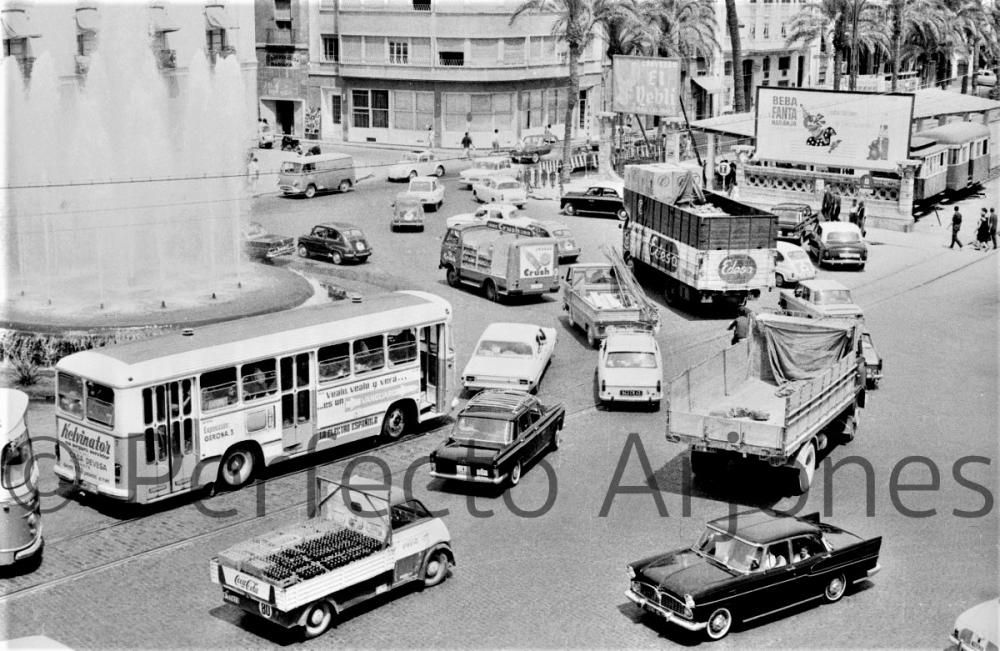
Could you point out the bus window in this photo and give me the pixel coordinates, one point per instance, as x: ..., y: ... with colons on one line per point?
x: 334, y: 362
x: 368, y: 354
x: 402, y: 346
x: 188, y: 436
x: 100, y: 404
x: 218, y: 388
x: 259, y: 379
x: 71, y: 394
x: 147, y: 406
x: 15, y: 463
x: 150, y: 445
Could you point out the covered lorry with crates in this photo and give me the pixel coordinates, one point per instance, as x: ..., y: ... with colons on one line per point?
x: 500, y: 259
x: 788, y: 391
x: 362, y: 541
x: 704, y: 246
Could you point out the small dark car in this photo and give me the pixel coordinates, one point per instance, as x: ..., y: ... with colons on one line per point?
x: 837, y: 243
x: 597, y: 199
x: 495, y: 436
x: 873, y: 361
x: 264, y: 246
x: 795, y: 220
x: 532, y: 148
x: 747, y: 565
x: 338, y: 241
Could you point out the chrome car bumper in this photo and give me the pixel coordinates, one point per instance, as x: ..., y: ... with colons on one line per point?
x: 668, y: 615
x: 473, y: 478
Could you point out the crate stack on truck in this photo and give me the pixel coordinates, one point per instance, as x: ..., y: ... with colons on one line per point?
x: 788, y: 391
x: 704, y: 246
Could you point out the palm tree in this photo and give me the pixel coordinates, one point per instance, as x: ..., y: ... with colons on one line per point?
x: 969, y: 25
x: 925, y: 33
x: 733, y: 26
x: 822, y: 20
x: 575, y: 24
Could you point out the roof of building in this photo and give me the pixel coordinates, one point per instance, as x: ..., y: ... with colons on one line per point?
x: 956, y: 132
x: 762, y: 527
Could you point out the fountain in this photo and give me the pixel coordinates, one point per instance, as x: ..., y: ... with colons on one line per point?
x: 125, y: 194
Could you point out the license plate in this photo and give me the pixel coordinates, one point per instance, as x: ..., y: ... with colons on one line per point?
x: 631, y: 392
x: 231, y: 598
x: 461, y: 470
x: 536, y: 285
x: 849, y: 255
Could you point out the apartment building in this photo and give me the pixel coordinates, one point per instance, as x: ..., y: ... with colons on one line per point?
x: 397, y: 71
x: 282, y: 35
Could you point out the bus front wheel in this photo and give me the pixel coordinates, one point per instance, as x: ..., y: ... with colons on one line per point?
x: 237, y: 467
x: 395, y: 422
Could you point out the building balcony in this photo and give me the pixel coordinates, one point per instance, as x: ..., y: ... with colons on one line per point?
x: 82, y: 64
x: 286, y: 37
x: 166, y: 58
x: 449, y: 70
x: 221, y: 53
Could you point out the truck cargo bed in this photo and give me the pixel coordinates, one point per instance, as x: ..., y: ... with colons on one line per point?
x: 754, y: 395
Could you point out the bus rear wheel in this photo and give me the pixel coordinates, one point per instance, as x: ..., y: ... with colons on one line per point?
x: 395, y: 423
x: 237, y: 467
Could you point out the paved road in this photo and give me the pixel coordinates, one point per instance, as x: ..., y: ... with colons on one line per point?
x: 557, y: 580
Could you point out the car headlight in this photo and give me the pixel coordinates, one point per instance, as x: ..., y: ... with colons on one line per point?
x: 688, y: 601
x: 631, y: 571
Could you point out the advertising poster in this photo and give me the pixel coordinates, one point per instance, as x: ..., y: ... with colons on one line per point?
x: 86, y: 452
x: 362, y: 403
x: 646, y: 85
x: 866, y: 131
x: 536, y: 261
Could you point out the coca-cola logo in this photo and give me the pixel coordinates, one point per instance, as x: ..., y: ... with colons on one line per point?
x: 246, y: 583
x: 737, y: 269
x: 663, y: 253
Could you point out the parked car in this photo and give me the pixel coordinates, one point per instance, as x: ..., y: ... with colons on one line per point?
x: 791, y: 264
x: 976, y: 628
x: 873, y: 361
x: 986, y: 77
x: 407, y: 212
x: 602, y: 199
x: 428, y: 189
x: 629, y: 368
x: 837, y: 243
x: 416, y: 163
x: 820, y: 298
x: 495, y: 436
x: 483, y: 168
x: 501, y: 188
x: 795, y: 220
x: 338, y: 241
x: 491, y: 211
x: 510, y: 356
x: 749, y: 564
x: 531, y: 148
x: 261, y: 245
x: 265, y: 135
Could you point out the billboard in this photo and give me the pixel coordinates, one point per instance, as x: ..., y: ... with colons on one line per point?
x: 869, y: 131
x: 646, y: 85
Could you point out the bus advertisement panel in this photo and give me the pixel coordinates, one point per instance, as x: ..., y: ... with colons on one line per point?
x: 868, y: 131
x: 357, y: 407
x: 85, y: 453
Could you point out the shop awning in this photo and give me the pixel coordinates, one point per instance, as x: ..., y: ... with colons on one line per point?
x: 711, y: 83
x: 16, y: 24
x: 87, y: 19
x: 218, y: 18
x: 159, y: 20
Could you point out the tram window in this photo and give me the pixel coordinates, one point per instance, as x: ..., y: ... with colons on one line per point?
x: 402, y: 346
x: 334, y: 362
x: 15, y: 463
x: 100, y: 404
x: 287, y: 379
x: 218, y: 388
x: 369, y: 354
x: 303, y: 406
x: 71, y: 394
x: 259, y: 379
x: 150, y: 445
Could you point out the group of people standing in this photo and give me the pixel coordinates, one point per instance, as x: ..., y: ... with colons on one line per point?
x: 830, y: 210
x: 986, y: 229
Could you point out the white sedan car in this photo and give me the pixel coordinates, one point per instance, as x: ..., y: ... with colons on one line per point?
x: 501, y: 188
x: 416, y: 163
x: 428, y: 190
x: 493, y: 211
x: 629, y: 369
x: 483, y: 168
x: 510, y: 356
x: 792, y: 264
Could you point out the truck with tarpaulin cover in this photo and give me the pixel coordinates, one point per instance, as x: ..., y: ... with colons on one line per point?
x: 362, y: 541
x: 780, y: 396
x: 704, y: 246
x: 500, y: 259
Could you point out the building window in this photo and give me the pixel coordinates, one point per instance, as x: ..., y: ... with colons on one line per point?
x: 753, y: 31
x: 784, y: 30
x: 727, y: 68
x: 86, y: 43
x: 370, y: 108
x: 481, y: 109
x: 215, y: 39
x: 767, y: 30
x: 421, y: 5
x: 336, y: 109
x: 399, y: 52
x: 556, y: 100
x: 531, y: 109
x: 362, y: 109
x: 582, y: 104
x: 484, y: 51
x: 784, y: 63
x: 503, y: 111
x: 513, y: 51
x: 412, y: 110
x: 451, y: 51
x: 456, y: 111
x: 331, y: 49
x: 352, y: 48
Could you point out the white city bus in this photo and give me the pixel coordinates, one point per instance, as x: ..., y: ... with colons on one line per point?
x: 143, y: 421
x: 20, y: 515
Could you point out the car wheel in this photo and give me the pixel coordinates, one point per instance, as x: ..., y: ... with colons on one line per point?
x: 490, y: 290
x: 318, y: 619
x: 835, y: 589
x: 310, y: 191
x: 344, y: 186
x: 861, y: 267
x: 439, y: 172
x: 515, y: 474
x: 622, y: 214
x: 851, y: 426
x: 719, y: 623
x: 395, y: 422
x: 591, y: 339
x: 451, y: 275
x: 303, y: 251
x: 237, y: 467
x: 779, y: 280
x: 412, y: 175
x: 535, y: 157
x: 783, y: 304
x: 654, y: 405
x: 438, y: 206
x: 805, y: 462
x: 569, y: 209
x: 436, y: 570
x: 336, y: 258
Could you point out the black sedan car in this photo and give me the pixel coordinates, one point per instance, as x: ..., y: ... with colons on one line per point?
x: 748, y: 565
x: 837, y: 243
x: 795, y: 221
x: 603, y: 199
x: 496, y: 436
x: 531, y: 148
x: 336, y: 241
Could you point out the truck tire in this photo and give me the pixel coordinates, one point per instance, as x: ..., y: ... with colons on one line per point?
x: 436, y: 568
x: 451, y: 275
x: 490, y: 291
x: 704, y: 463
x: 805, y: 467
x: 851, y: 425
x: 318, y: 619
x: 591, y: 339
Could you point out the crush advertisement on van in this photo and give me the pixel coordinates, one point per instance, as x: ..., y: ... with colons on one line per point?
x: 537, y: 261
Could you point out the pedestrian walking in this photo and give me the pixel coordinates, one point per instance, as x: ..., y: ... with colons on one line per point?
x: 827, y: 203
x: 993, y: 227
x: 740, y: 327
x: 253, y: 174
x: 430, y: 136
x: 496, y: 140
x: 547, y: 136
x: 852, y: 214
x: 861, y: 218
x: 983, y: 231
x: 835, y: 208
x: 956, y: 225
x: 467, y: 144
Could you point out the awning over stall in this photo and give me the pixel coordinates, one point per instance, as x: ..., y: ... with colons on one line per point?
x: 87, y: 19
x: 17, y: 25
x: 711, y: 83
x: 218, y: 18
x: 159, y: 20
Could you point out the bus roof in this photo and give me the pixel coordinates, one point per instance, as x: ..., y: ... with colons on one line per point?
x: 221, y: 344
x: 13, y: 407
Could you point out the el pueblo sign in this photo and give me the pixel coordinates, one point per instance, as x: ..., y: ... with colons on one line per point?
x: 646, y: 85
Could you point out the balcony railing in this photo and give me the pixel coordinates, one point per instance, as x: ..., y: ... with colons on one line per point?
x: 282, y: 36
x: 279, y: 59
x: 453, y: 60
x: 221, y: 53
x: 82, y: 64
x: 166, y: 58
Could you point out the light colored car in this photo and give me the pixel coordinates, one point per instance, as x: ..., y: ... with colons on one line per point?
x: 986, y: 77
x: 492, y: 211
x: 792, y: 264
x: 629, y: 368
x: 510, y: 356
x: 820, y: 298
x: 428, y: 189
x: 501, y: 189
x: 483, y: 168
x: 416, y: 163
x: 565, y: 242
x: 976, y: 628
x: 407, y: 212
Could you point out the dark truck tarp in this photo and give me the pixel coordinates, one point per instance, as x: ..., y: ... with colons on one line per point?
x: 800, y: 348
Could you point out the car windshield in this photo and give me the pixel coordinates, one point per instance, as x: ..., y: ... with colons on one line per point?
x: 561, y: 232
x: 354, y: 233
x: 843, y: 236
x: 291, y: 167
x: 797, y: 254
x: 509, y: 185
x: 488, y: 348
x: 412, y: 156
x: 728, y: 550
x: 627, y: 359
x: 421, y: 186
x: 488, y: 430
x: 833, y: 297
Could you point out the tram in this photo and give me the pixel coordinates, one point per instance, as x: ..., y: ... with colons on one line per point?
x: 954, y: 157
x: 20, y: 517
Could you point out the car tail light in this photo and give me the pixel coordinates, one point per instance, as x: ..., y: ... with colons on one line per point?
x: 470, y: 378
x: 604, y: 385
x: 118, y: 474
x: 522, y: 381
x: 57, y: 450
x: 658, y: 387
